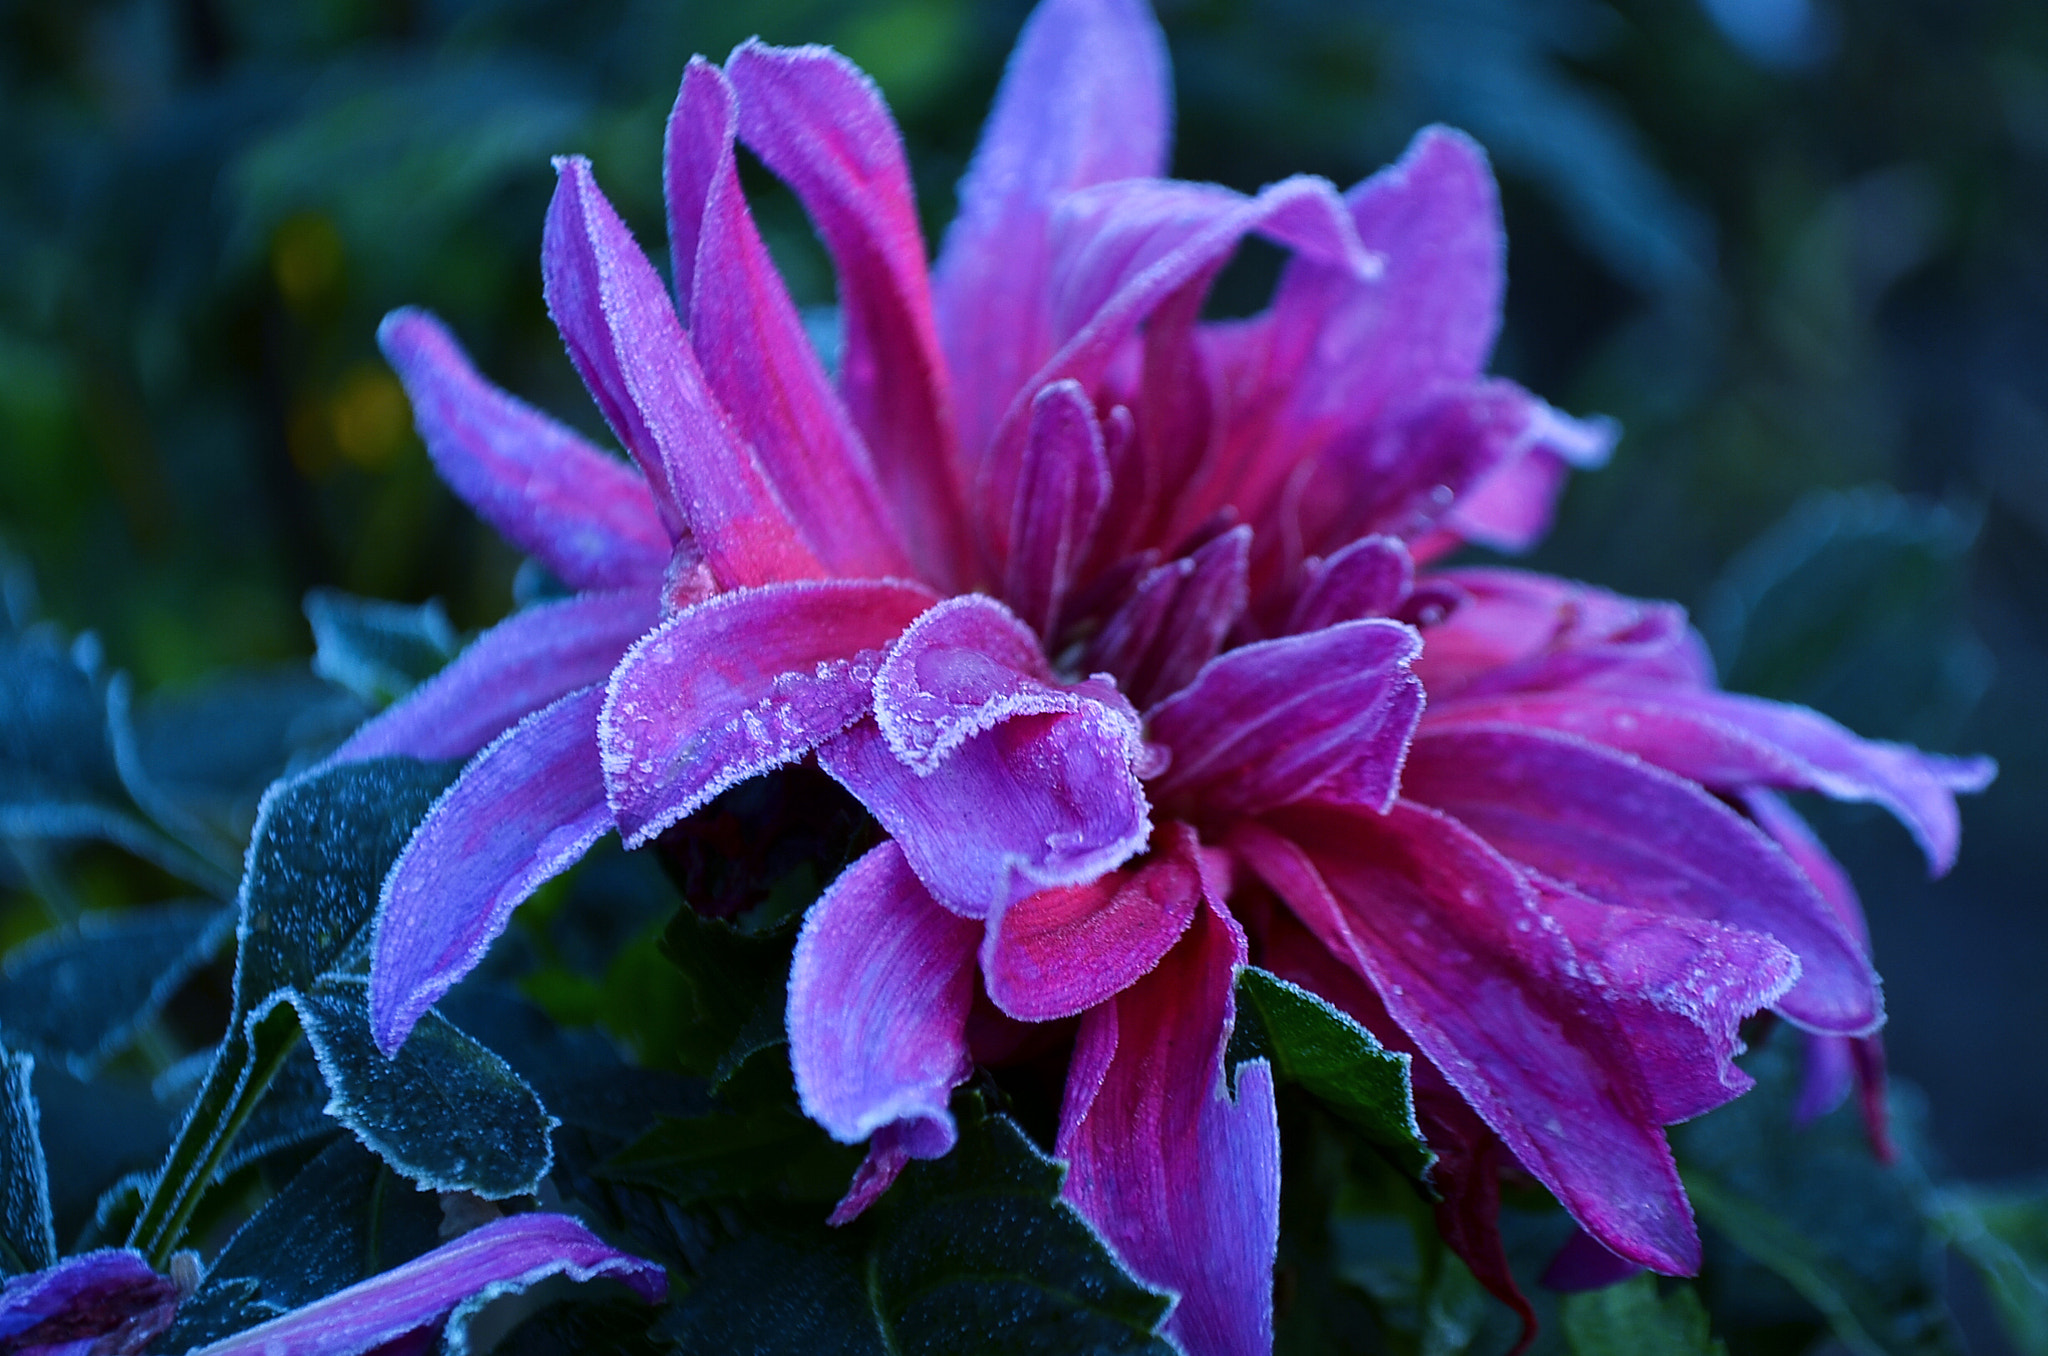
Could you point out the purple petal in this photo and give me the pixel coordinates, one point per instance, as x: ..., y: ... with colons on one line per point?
x: 1728, y: 741
x: 1582, y: 1264
x: 1085, y: 99
x: 507, y: 673
x: 1038, y: 801
x: 1176, y: 620
x: 756, y: 357
x: 625, y: 339
x: 963, y: 668
x: 1061, y: 951
x: 503, y: 1257
x: 1369, y: 578
x: 108, y: 1302
x: 821, y: 125
x: 1626, y: 833
x: 547, y: 491
x: 739, y: 684
x: 1511, y: 509
x: 522, y: 811
x: 878, y: 1000
x: 1182, y: 1179
x: 889, y: 1153
x: 1325, y: 714
x: 1061, y: 489
x: 1467, y: 963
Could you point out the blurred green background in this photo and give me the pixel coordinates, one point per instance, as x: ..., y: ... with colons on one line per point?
x: 1798, y: 248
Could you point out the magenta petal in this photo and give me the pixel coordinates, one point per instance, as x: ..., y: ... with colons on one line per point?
x: 503, y: 1257
x: 1629, y: 834
x: 1454, y: 942
x: 1182, y: 1179
x: 1085, y: 99
x: 1037, y: 801
x: 1511, y: 509
x: 822, y: 126
x: 105, y: 1302
x: 547, y: 491
x: 515, y: 668
x: 1582, y: 1264
x: 1061, y: 489
x: 1369, y: 578
x: 520, y: 813
x: 1061, y: 951
x: 625, y: 339
x: 878, y: 998
x: 756, y: 357
x: 1176, y: 619
x: 1325, y: 714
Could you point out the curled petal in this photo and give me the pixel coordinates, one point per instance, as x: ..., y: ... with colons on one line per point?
x: 518, y: 666
x: 1179, y: 1176
x: 878, y: 998
x: 1061, y: 951
x: 1511, y: 509
x: 581, y: 513
x: 1061, y: 491
x: 1035, y: 802
x: 739, y: 684
x: 1369, y: 578
x: 522, y: 811
x: 503, y: 1257
x: 1327, y: 714
x: 1176, y: 619
x: 625, y: 339
x: 1625, y: 833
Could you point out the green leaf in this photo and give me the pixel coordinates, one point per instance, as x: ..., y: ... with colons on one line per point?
x: 734, y: 989
x: 1312, y: 1044
x: 1633, y: 1319
x: 28, y: 1235
x: 1814, y: 1207
x: 771, y: 1150
x: 79, y: 993
x: 379, y: 651
x: 971, y: 1252
x: 444, y: 1112
x: 2004, y: 1234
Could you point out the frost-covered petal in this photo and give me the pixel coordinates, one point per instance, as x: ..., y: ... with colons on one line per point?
x: 1456, y: 946
x: 1061, y: 490
x: 739, y: 684
x: 581, y: 513
x: 1629, y: 834
x: 1511, y: 508
x: 622, y: 333
x: 755, y: 355
x: 104, y: 1303
x: 823, y: 128
x: 1086, y: 99
x: 521, y: 812
x: 1176, y: 619
x: 1368, y: 578
x: 503, y: 1257
x: 1061, y: 951
x: 878, y: 999
x: 1037, y: 801
x: 1325, y: 714
x: 518, y: 666
x: 1179, y: 1176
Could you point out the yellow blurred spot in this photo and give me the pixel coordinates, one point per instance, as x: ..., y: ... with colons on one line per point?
x: 305, y: 259
x: 371, y: 419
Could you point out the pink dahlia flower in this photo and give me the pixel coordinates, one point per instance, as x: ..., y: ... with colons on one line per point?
x: 1110, y: 617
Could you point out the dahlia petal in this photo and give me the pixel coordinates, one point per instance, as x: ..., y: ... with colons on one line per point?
x: 823, y: 128
x: 522, y: 811
x: 1582, y: 1264
x: 739, y: 684
x: 515, y: 668
x: 1729, y: 741
x: 1061, y: 489
x: 1453, y: 941
x: 756, y: 357
x: 104, y: 1301
x: 1626, y: 833
x: 581, y: 513
x: 1511, y: 509
x: 1369, y: 578
x: 1085, y: 99
x: 1176, y: 619
x: 504, y: 1256
x: 1325, y: 714
x: 1062, y: 951
x: 961, y: 669
x: 1182, y: 1179
x: 1037, y: 801
x: 878, y: 999
x: 624, y: 337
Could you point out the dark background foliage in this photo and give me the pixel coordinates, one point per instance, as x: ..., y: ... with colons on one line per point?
x: 1799, y: 248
